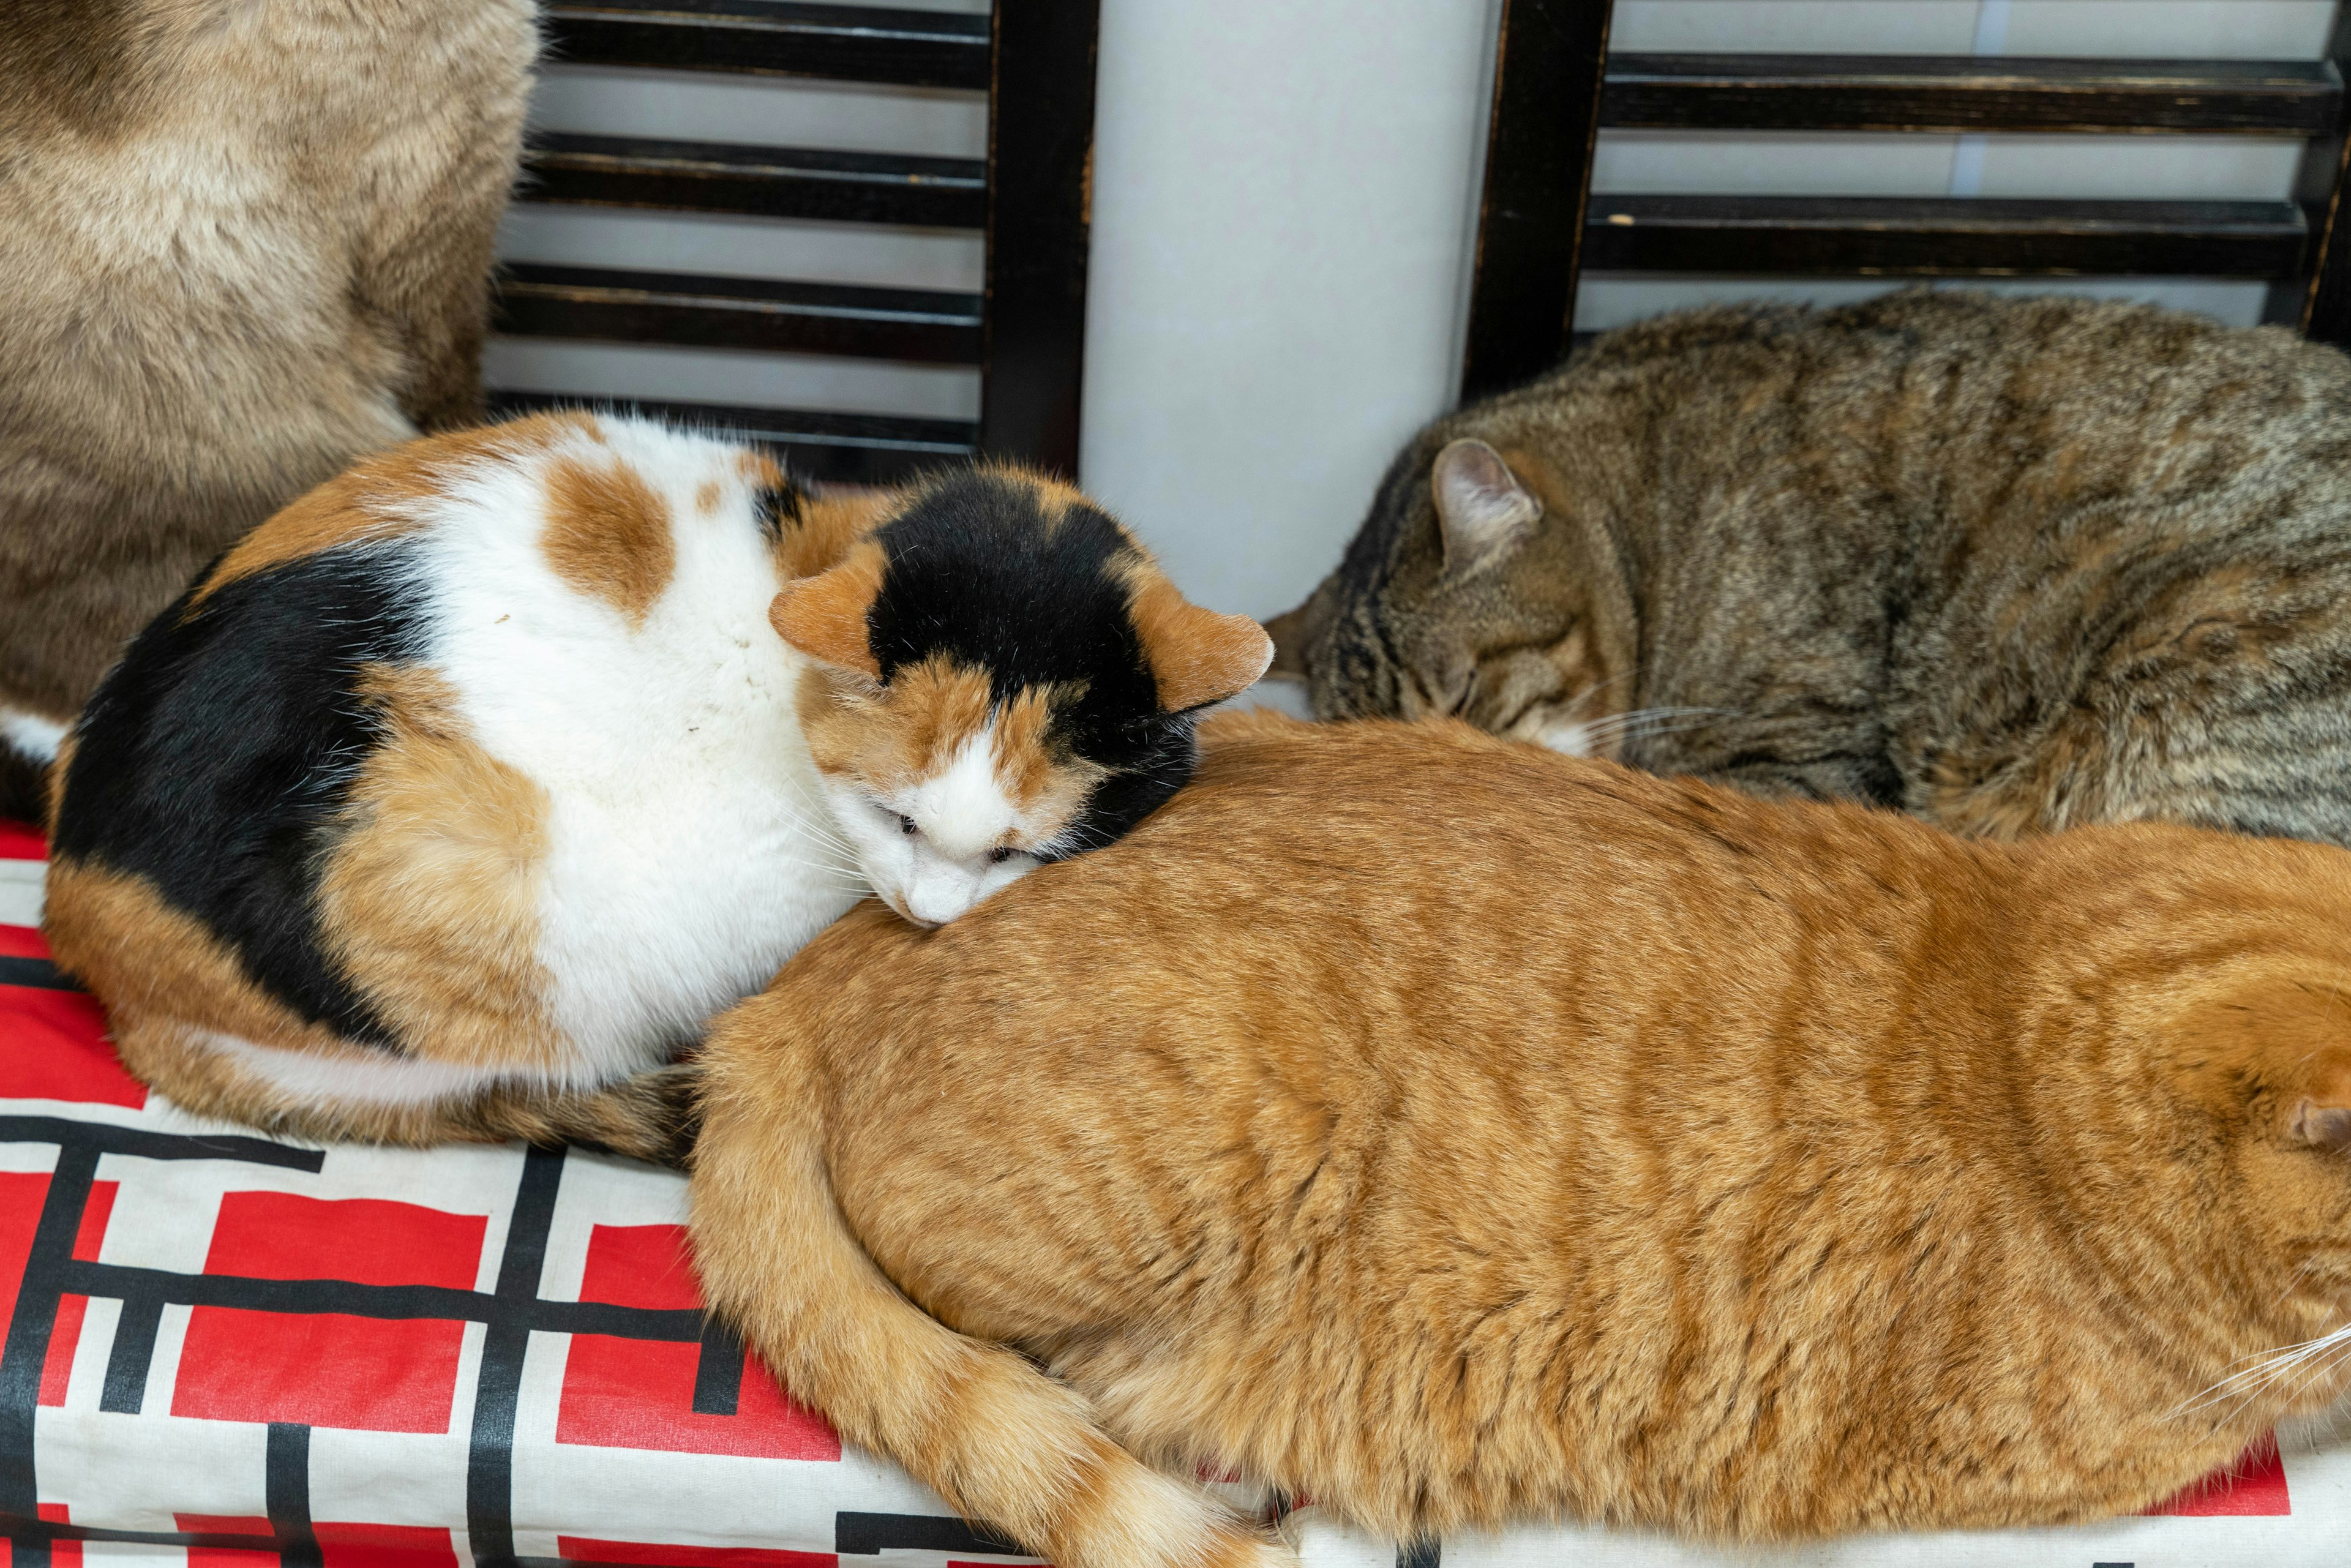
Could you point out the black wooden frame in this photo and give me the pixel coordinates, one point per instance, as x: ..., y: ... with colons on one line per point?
x: 1025, y: 332
x: 1556, y: 86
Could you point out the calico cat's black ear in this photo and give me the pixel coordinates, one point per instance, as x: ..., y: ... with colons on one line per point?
x: 1482, y: 510
x: 824, y: 616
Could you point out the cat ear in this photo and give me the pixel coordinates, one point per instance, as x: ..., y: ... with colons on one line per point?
x: 1197, y: 656
x: 1291, y: 630
x: 824, y: 616
x: 2321, y: 1117
x: 1482, y: 510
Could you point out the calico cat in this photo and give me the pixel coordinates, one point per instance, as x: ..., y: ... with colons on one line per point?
x: 454, y: 800
x: 1459, y: 1132
x: 247, y: 242
x: 2011, y: 565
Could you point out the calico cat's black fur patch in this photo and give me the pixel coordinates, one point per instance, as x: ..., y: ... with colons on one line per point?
x: 216, y: 758
x: 973, y: 544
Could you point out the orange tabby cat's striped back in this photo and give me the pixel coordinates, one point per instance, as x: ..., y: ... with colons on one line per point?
x: 1461, y: 1134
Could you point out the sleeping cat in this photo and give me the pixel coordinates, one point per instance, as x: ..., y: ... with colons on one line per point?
x: 246, y: 242
x: 1459, y: 1132
x: 454, y: 800
x: 2009, y: 564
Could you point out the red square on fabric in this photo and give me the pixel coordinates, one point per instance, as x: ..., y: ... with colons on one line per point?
x: 224, y: 1556
x: 21, y: 842
x: 329, y: 1369
x: 62, y: 1553
x: 585, y: 1549
x: 639, y: 1393
x: 21, y: 1195
x: 53, y: 1044
x: 384, y: 1546
x: 2252, y: 1487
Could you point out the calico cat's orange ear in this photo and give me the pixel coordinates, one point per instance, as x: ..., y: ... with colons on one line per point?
x: 824, y: 616
x: 2321, y: 1117
x: 1482, y: 510
x: 1197, y: 656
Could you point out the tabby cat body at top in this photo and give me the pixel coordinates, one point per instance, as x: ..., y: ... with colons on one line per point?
x: 1462, y: 1133
x: 246, y: 243
x: 2011, y: 565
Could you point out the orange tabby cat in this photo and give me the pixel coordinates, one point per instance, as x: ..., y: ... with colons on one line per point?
x: 1463, y: 1133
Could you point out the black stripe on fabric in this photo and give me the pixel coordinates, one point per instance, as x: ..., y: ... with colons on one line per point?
x: 1421, y: 1554
x: 21, y: 1532
x: 34, y: 973
x: 863, y: 1534
x: 107, y: 1139
x: 287, y: 1488
x: 489, y: 1457
x: 27, y: 1350
x: 355, y: 1300
x: 132, y: 1354
x: 718, y: 1372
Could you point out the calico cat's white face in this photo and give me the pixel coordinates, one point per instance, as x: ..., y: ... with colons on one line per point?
x: 944, y: 795
x: 1000, y: 678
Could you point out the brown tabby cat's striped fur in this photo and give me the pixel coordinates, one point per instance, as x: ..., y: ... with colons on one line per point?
x: 2009, y: 564
x: 1463, y: 1133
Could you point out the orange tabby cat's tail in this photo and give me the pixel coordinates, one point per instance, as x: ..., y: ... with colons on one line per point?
x: 1003, y: 1442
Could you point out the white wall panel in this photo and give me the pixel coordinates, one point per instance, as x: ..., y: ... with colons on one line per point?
x: 1796, y: 26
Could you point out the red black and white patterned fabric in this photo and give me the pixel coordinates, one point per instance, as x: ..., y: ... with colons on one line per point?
x: 236, y: 1352
x: 232, y: 1351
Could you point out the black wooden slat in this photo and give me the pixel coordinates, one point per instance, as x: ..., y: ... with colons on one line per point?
x: 2318, y: 303
x: 763, y: 181
x: 1545, y: 116
x: 1943, y: 237
x: 1041, y: 144
x: 843, y: 43
x: 1966, y: 94
x: 592, y: 303
x: 857, y: 448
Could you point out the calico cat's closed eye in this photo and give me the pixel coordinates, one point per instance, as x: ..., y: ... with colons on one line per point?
x: 999, y: 855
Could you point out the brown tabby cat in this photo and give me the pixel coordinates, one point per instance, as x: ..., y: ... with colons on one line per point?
x: 1464, y: 1134
x: 2010, y: 565
x: 246, y: 241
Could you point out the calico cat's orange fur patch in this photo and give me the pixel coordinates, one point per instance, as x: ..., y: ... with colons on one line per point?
x: 429, y: 903
x: 608, y: 534
x: 824, y: 616
x: 377, y: 499
x: 1196, y: 655
x: 116, y: 935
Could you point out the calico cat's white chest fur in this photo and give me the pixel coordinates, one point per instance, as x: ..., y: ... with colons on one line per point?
x: 602, y: 616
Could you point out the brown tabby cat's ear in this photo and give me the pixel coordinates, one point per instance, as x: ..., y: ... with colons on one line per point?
x: 824, y: 616
x: 1482, y: 510
x: 1291, y: 630
x: 1197, y: 656
x: 2321, y: 1118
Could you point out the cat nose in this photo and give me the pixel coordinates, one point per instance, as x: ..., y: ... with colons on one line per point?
x: 935, y: 900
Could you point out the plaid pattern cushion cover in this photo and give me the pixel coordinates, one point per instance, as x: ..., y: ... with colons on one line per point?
x: 242, y: 1352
